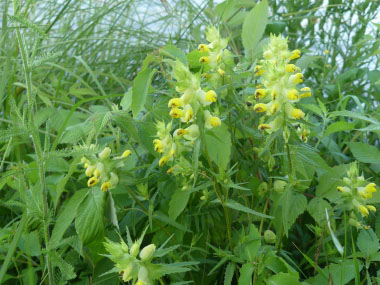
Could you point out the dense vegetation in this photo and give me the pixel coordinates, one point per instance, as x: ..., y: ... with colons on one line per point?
x: 179, y: 142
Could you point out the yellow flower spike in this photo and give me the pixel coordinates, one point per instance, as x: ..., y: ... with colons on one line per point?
x: 307, y: 92
x: 126, y: 153
x: 215, y: 121
x: 92, y: 181
x: 297, y: 114
x: 221, y: 72
x: 260, y: 93
x: 163, y: 160
x: 259, y: 70
x: 296, y: 78
x: 263, y: 127
x: 290, y: 68
x: 371, y: 208
x: 176, y: 113
x: 175, y: 103
x: 203, y: 48
x: 105, y: 186
x: 204, y: 59
x: 295, y: 54
x: 363, y: 210
x: 211, y: 96
x: 274, y: 108
x: 370, y: 188
x: 292, y: 94
x: 260, y: 107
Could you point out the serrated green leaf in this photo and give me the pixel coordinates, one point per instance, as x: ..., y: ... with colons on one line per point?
x: 364, y: 152
x: 229, y: 274
x: 284, y: 279
x: 293, y: 205
x: 174, y: 52
x: 218, y: 143
x: 254, y: 25
x: 367, y: 242
x: 89, y: 222
x: 339, y: 127
x: 140, y: 90
x: 239, y: 207
x: 246, y: 272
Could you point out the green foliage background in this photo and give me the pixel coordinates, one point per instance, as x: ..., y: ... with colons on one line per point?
x: 64, y: 64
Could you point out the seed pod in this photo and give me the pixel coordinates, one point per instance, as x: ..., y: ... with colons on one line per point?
x: 269, y: 236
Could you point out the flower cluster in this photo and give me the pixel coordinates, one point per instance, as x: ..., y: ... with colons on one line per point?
x: 100, y: 168
x: 215, y: 56
x: 127, y: 262
x: 279, y: 91
x: 356, y: 191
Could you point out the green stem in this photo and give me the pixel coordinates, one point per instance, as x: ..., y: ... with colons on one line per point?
x: 37, y: 145
x: 289, y: 159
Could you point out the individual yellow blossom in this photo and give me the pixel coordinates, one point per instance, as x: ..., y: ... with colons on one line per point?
x: 293, y: 94
x: 296, y: 78
x: 189, y: 114
x: 371, y: 208
x: 260, y: 107
x: 370, y: 188
x: 158, y: 145
x: 290, y: 68
x: 215, y: 121
x: 274, y: 108
x: 90, y: 170
x: 295, y: 54
x: 126, y: 153
x: 170, y: 170
x: 274, y: 94
x: 304, y: 135
x: 97, y: 173
x: 105, y: 186
x: 221, y: 72
x: 263, y: 127
x: 218, y: 58
x: 203, y: 48
x: 259, y: 70
x: 181, y: 132
x: 306, y: 92
x: 260, y: 93
x: 85, y: 165
x: 163, y: 160
x: 92, y: 181
x: 297, y: 114
x: 175, y: 103
x: 327, y: 51
x: 343, y: 189
x: 211, y: 96
x: 363, y: 210
x: 204, y: 59
x: 176, y: 113
x: 206, y: 75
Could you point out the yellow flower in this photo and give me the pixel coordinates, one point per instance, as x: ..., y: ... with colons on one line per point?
x: 295, y: 54
x: 327, y: 51
x: 158, y: 145
x: 293, y: 94
x: 260, y: 93
x: 204, y: 59
x: 181, y: 132
x: 371, y: 208
x: 170, y: 170
x: 221, y: 72
x: 90, y: 170
x: 126, y: 153
x: 176, y: 113
x: 296, y: 78
x: 85, y: 165
x: 260, y: 107
x: 92, y: 181
x: 307, y: 92
x: 189, y: 114
x: 370, y: 188
x: 363, y: 210
x: 259, y: 70
x: 274, y: 108
x: 263, y: 127
x: 105, y: 153
x: 215, y: 121
x: 203, y: 48
x: 163, y: 160
x: 211, y: 96
x: 97, y: 173
x: 206, y: 75
x: 297, y: 114
x: 175, y: 103
x: 105, y: 186
x: 343, y: 189
x: 274, y: 94
x: 290, y: 68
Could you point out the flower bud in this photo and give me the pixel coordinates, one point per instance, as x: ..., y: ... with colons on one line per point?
x: 105, y: 153
x: 127, y: 272
x: 143, y: 275
x: 135, y: 248
x: 147, y: 252
x: 279, y: 186
x: 269, y: 236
